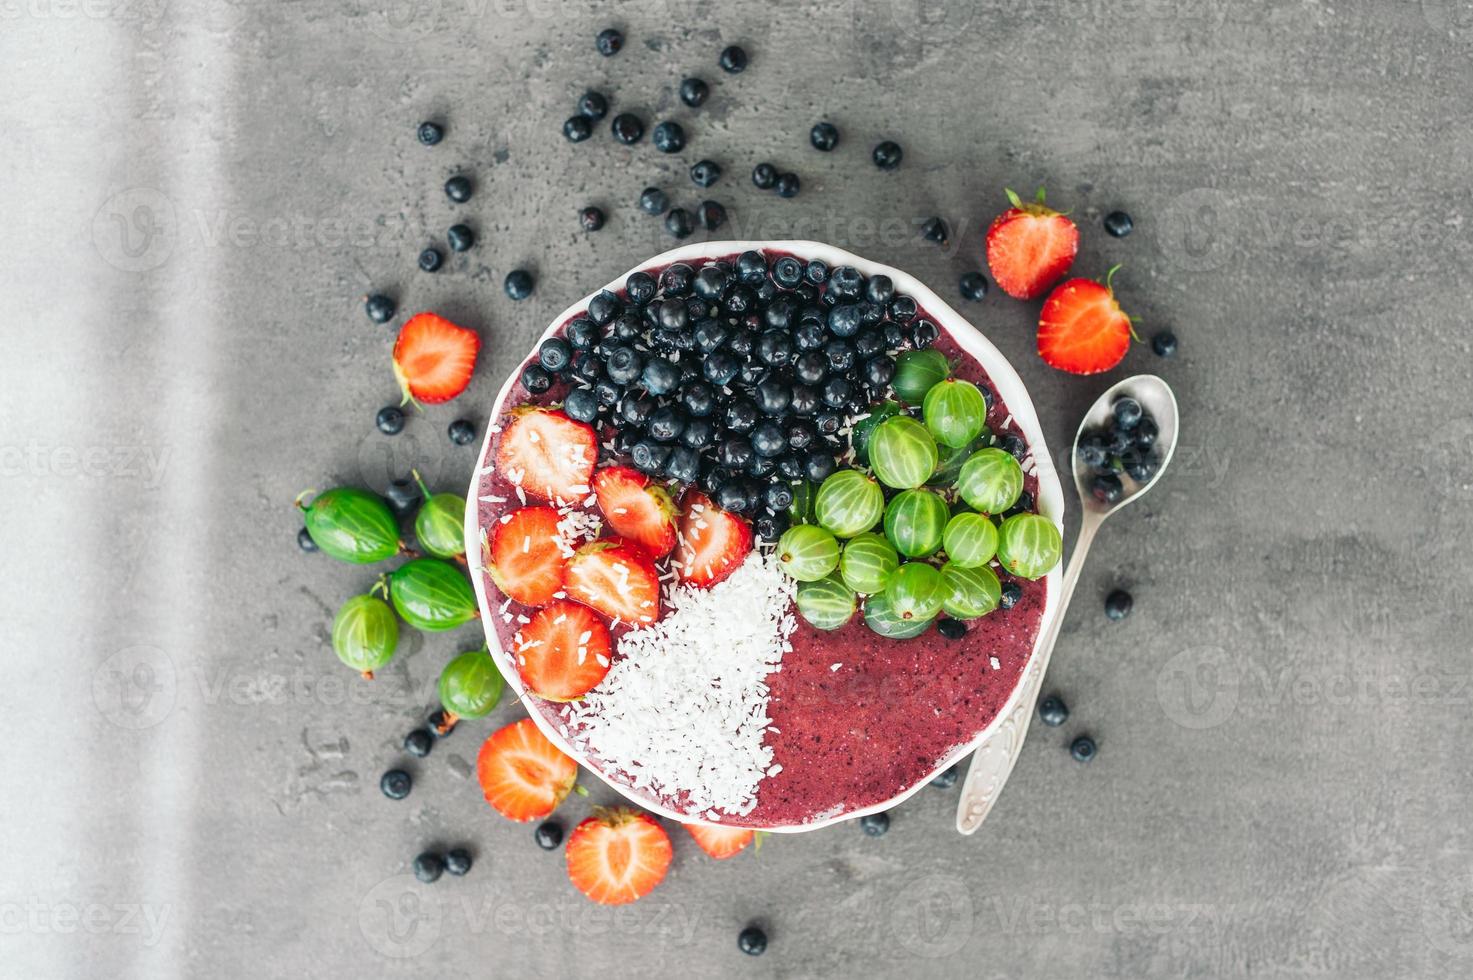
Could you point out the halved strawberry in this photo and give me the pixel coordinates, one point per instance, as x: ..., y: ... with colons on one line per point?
x: 635, y: 510
x: 713, y: 542
x: 548, y: 454
x: 563, y: 652
x: 523, y: 775
x: 1082, y: 329
x: 434, y: 359
x: 720, y: 842
x: 617, y: 579
x: 1029, y: 246
x: 618, y: 855
x: 526, y: 562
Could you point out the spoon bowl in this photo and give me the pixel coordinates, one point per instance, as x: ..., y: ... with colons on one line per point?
x: 1159, y: 402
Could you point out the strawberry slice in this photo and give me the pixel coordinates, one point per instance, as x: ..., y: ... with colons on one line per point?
x: 720, y: 842
x: 563, y: 652
x: 617, y: 579
x: 548, y: 454
x: 713, y: 542
x: 1082, y: 329
x: 1029, y: 246
x: 523, y: 775
x: 434, y: 359
x: 618, y: 855
x: 635, y: 510
x: 526, y: 560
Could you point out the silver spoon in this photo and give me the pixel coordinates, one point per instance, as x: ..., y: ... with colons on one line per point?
x: 995, y: 757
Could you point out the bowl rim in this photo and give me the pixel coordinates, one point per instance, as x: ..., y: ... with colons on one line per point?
x: 1005, y: 379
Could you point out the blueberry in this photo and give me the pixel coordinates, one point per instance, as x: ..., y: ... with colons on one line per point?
x: 733, y: 60
x: 305, y: 542
x: 430, y: 260
x: 609, y: 42
x: 1106, y: 488
x: 818, y: 466
x: 428, y: 867
x: 787, y: 272
x: 935, y: 231
x: 390, y: 420
x: 845, y: 319
x: 604, y: 306
x: 1117, y: 440
x: 809, y: 336
x: 649, y: 457
x: 1011, y: 593
x: 878, y: 372
x: 699, y: 433
x: 730, y: 496
x: 805, y: 400
x: 1118, y: 224
x: 840, y: 356
x: 879, y: 291
x: 847, y: 282
x: 577, y: 129
x: 1082, y: 748
x: 640, y: 288
x: 974, y: 286
x: 1145, y: 433
x: 773, y: 397
x: 518, y: 284
x: 461, y: 432
x: 787, y: 185
x: 903, y: 308
x: 637, y: 409
x: 652, y: 200
x: 1052, y: 711
x: 668, y: 137
x: 683, y: 464
x: 791, y: 467
x: 952, y: 629
x: 779, y: 314
x: 811, y: 367
x: 694, y: 91
x: 461, y: 238
x: 458, y: 861
x: 925, y: 333
x: 430, y: 133
x: 1091, y: 450
x: 395, y: 784
x: 1127, y: 412
x: 778, y: 497
x: 705, y: 173
x: 752, y: 941
x: 816, y: 272
x: 549, y: 835
x: 719, y: 368
x: 403, y: 495
x: 824, y: 136
x: 764, y: 175
x: 887, y: 155
x: 738, y: 300
x: 591, y: 218
x: 874, y: 824
x: 380, y: 308
x: 666, y: 424
x: 458, y: 189
x: 581, y: 404
x: 741, y: 416
x: 947, y: 779
x: 709, y: 335
x: 1014, y: 447
x: 593, y: 105
x: 627, y: 128
x: 678, y: 223
x: 769, y: 441
x: 801, y: 434
x: 1117, y: 605
x: 775, y: 348
x: 837, y: 392
x: 711, y: 215
x: 555, y: 354
x: 770, y: 527
x: 1164, y: 344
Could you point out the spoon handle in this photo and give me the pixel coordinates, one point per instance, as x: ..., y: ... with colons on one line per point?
x: 994, y: 759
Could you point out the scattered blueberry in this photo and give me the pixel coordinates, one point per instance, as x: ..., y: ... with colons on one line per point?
x: 430, y: 133
x: 652, y: 200
x: 395, y: 784
x: 678, y: 223
x: 305, y: 542
x: 1117, y: 605
x: 549, y: 835
x: 711, y: 215
x: 458, y: 189
x: 764, y: 175
x: 752, y: 941
x: 627, y: 128
x: 458, y: 861
x: 1082, y: 749
x: 787, y: 185
x: 875, y: 824
x: 668, y: 137
x: 577, y: 129
x: 593, y: 105
x: 1011, y: 593
x: 440, y: 726
x: 419, y: 742
x: 1127, y: 412
x: 1164, y: 343
x: 609, y: 42
x: 887, y: 155
x: 430, y: 260
x: 974, y: 286
x: 462, y: 432
x: 428, y: 867
x: 824, y: 136
x: 694, y: 91
x: 952, y: 629
x: 733, y: 60
x: 705, y: 173
x: 403, y: 495
x: 518, y: 284
x: 390, y: 420
x: 591, y: 218
x: 935, y: 231
x: 947, y: 779
x: 1118, y: 224
x: 461, y: 238
x: 1052, y: 711
x: 380, y: 308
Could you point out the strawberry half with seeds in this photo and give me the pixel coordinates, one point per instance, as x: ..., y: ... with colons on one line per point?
x: 526, y: 557
x: 548, y: 454
x: 618, y: 855
x: 1082, y: 329
x: 563, y: 652
x: 434, y: 359
x: 713, y: 542
x: 617, y: 579
x: 523, y: 775
x: 720, y: 842
x: 635, y: 510
x: 1029, y: 246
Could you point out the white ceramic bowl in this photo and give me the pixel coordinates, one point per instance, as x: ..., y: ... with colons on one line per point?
x: 1009, y: 386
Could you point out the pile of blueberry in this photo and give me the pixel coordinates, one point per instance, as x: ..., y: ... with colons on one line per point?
x: 737, y: 376
x: 1126, y: 445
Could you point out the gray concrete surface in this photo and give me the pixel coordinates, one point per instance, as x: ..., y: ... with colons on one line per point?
x: 195, y: 197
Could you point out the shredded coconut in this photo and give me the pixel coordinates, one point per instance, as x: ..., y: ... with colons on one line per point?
x: 683, y: 712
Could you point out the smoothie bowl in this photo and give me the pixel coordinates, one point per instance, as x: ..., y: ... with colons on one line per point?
x: 764, y: 535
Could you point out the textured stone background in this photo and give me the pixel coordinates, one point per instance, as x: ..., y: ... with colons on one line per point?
x: 195, y: 197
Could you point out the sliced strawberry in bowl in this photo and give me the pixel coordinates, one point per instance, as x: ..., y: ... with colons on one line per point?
x: 548, y: 454
x: 1082, y: 329
x: 434, y: 359
x: 522, y: 774
x: 713, y: 542
x: 720, y: 842
x: 563, y: 652
x: 526, y: 557
x: 617, y: 579
x: 636, y: 510
x: 1029, y: 246
x: 618, y: 855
